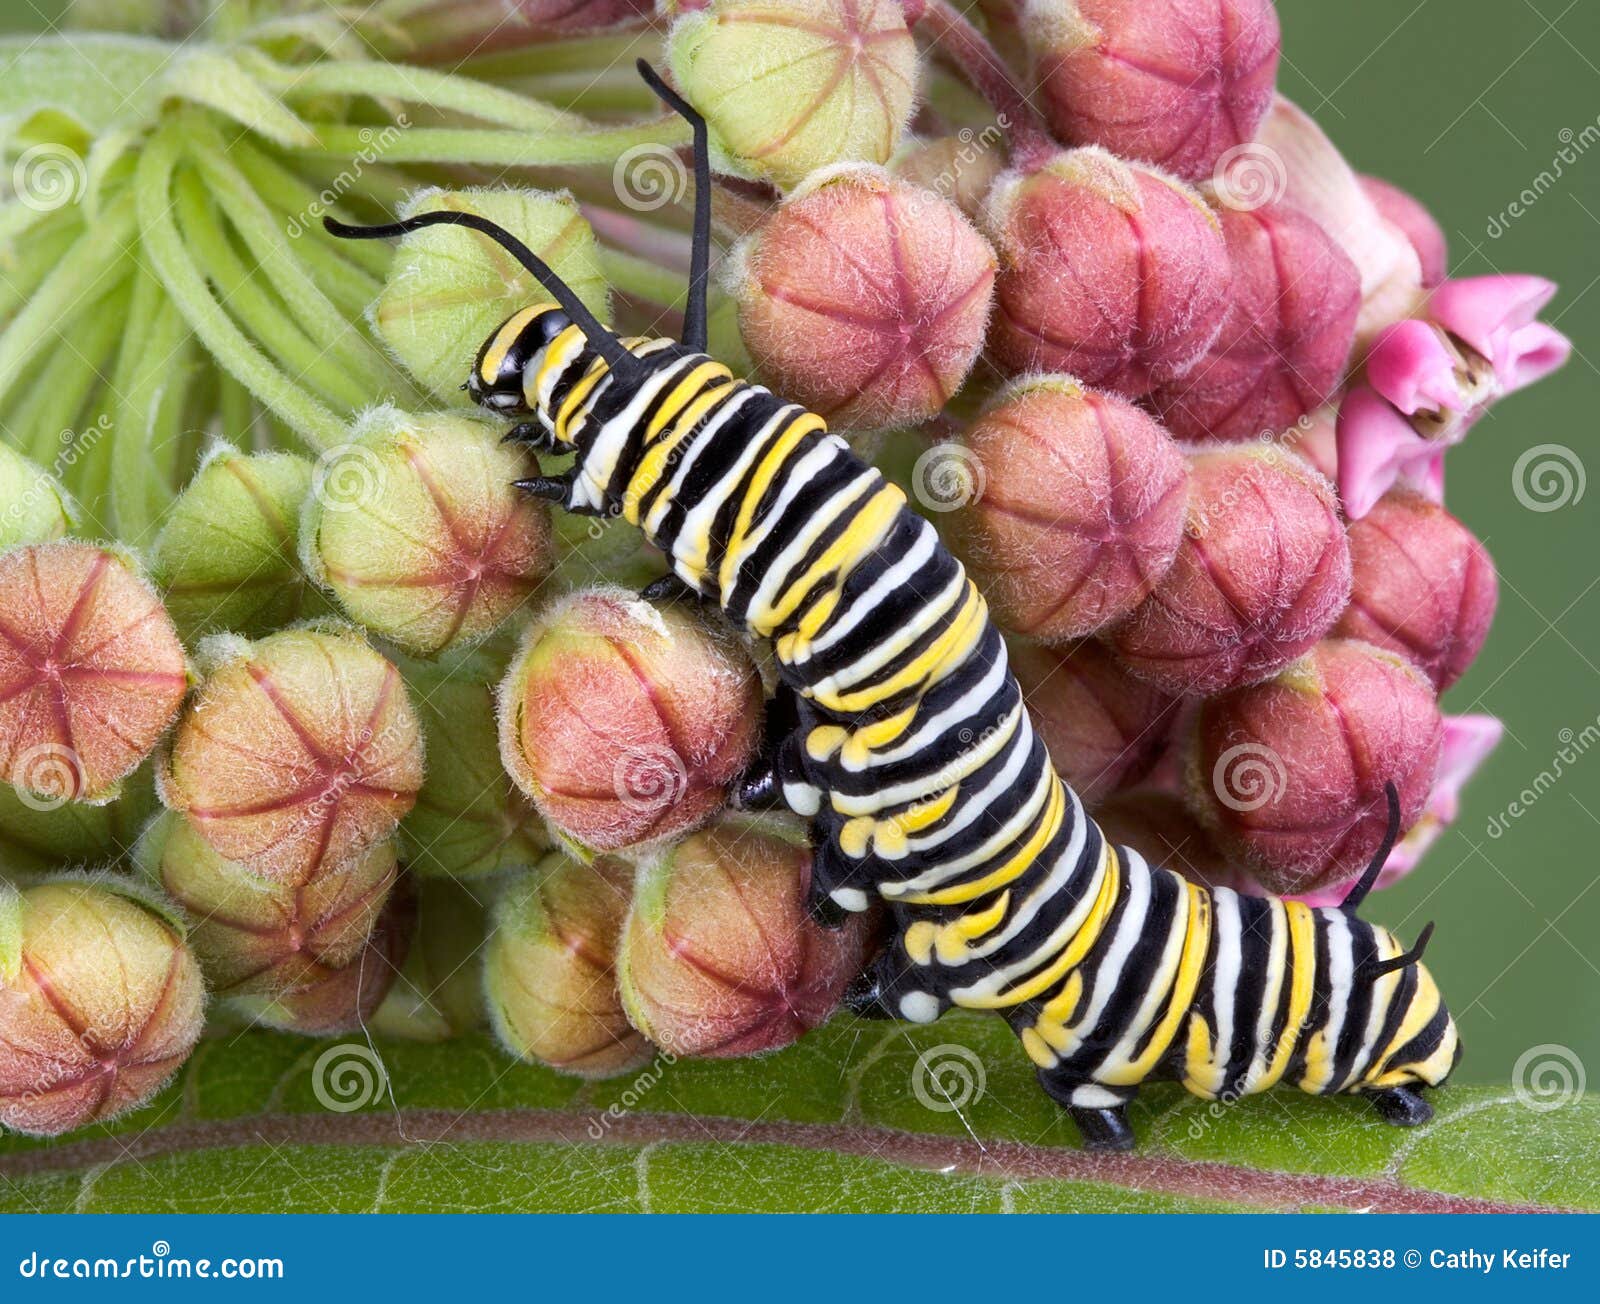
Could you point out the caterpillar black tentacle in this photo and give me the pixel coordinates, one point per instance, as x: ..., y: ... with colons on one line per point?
x: 913, y: 757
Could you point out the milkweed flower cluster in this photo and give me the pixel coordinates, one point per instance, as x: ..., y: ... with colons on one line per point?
x: 303, y: 704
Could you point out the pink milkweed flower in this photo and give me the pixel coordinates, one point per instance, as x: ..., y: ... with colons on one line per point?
x: 1468, y: 742
x: 1429, y: 378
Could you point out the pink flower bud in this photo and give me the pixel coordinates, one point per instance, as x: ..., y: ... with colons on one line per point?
x: 626, y: 723
x: 100, y: 1002
x: 297, y: 752
x: 1424, y: 587
x: 1290, y: 774
x: 1315, y: 442
x: 549, y: 968
x: 1287, y: 337
x: 1429, y: 380
x: 1109, y: 270
x: 1161, y: 829
x: 255, y: 936
x: 1177, y: 83
x: 344, y: 998
x: 865, y: 298
x: 1467, y: 742
x: 1077, y: 507
x: 1416, y: 223
x: 1104, y: 728
x: 719, y: 957
x: 961, y: 168
x: 91, y: 671
x: 1262, y: 574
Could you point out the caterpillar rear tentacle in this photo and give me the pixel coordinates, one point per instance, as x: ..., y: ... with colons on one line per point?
x: 912, y: 755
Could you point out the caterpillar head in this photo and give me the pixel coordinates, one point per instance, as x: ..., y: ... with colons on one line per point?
x: 1426, y: 1048
x: 507, y: 362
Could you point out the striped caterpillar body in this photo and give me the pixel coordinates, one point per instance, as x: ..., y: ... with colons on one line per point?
x: 914, y: 758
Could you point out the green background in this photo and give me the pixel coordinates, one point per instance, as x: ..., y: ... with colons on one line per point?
x: 1465, y: 103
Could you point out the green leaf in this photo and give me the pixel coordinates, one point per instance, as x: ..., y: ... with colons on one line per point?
x: 92, y: 80
x: 836, y: 1123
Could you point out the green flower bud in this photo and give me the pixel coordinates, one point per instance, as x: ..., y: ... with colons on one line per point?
x: 100, y: 1002
x: 470, y: 818
x: 418, y: 530
x: 256, y: 936
x: 789, y: 86
x: 448, y: 287
x: 226, y: 558
x: 439, y: 993
x: 548, y: 973
x: 34, y: 508
x: 47, y: 835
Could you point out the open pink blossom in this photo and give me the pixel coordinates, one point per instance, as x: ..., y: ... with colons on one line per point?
x: 1428, y: 379
x: 1468, y: 741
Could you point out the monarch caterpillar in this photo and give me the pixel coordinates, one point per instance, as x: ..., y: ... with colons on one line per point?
x: 912, y: 753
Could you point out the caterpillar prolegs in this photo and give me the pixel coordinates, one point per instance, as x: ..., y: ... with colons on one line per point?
x: 912, y: 753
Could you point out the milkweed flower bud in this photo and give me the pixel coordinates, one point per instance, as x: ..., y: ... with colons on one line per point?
x: 1428, y: 381
x: 100, y: 1003
x: 1314, y: 440
x: 1161, y: 829
x: 1263, y: 573
x: 626, y: 723
x: 333, y: 1000
x: 418, y: 530
x: 1407, y: 214
x: 296, y: 753
x: 1467, y: 742
x: 719, y: 956
x: 790, y: 86
x: 1103, y: 727
x: 34, y: 508
x: 1109, y: 270
x: 1287, y: 335
x: 226, y: 558
x: 470, y: 818
x: 256, y: 936
x: 438, y: 994
x: 1177, y: 83
x: 865, y: 298
x: 91, y: 671
x: 961, y: 168
x: 1289, y: 774
x: 549, y: 970
x: 1424, y: 587
x: 449, y: 287
x: 1076, y: 509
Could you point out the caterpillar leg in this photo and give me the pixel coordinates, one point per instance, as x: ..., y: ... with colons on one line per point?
x: 1401, y: 1106
x: 670, y: 587
x: 531, y: 434
x: 882, y: 992
x: 1101, y: 1113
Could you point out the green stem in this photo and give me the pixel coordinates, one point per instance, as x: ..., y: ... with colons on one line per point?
x: 152, y: 338
x: 65, y: 380
x: 316, y: 423
x: 297, y: 198
x: 35, y: 257
x: 236, y: 413
x: 412, y: 85
x: 507, y: 148
x: 310, y: 307
x: 587, y: 93
x: 66, y: 293
x: 252, y: 302
x: 639, y: 278
x: 573, y: 55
